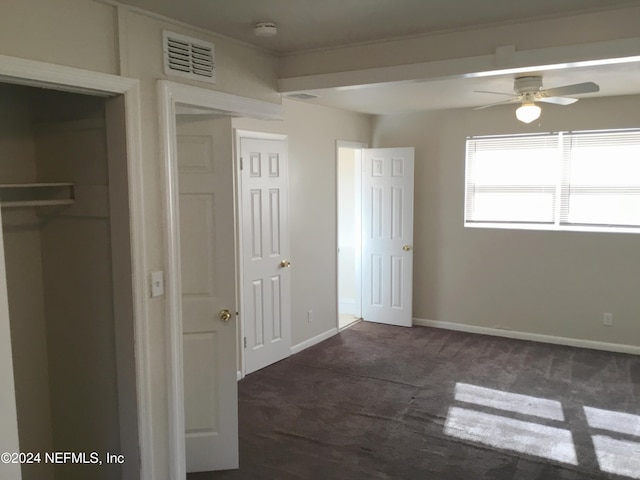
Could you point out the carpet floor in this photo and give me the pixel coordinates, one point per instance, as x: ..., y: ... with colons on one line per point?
x: 381, y: 402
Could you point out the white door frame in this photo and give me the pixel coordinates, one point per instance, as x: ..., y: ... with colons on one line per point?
x: 170, y: 94
x: 9, y: 441
x: 356, y: 146
x: 240, y: 134
x: 39, y: 74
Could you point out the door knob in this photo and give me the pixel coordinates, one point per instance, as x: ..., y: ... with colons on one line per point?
x: 285, y: 264
x: 225, y: 315
x: 406, y: 248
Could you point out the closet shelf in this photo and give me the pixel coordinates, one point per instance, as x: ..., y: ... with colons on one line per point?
x: 36, y: 194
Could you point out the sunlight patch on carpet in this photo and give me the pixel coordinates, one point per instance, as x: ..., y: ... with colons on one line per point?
x: 618, y: 456
x: 619, y: 422
x: 621, y: 457
x: 510, y: 434
x: 510, y: 402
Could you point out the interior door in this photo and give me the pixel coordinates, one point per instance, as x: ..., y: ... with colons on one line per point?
x: 8, y: 416
x: 387, y: 235
x: 266, y: 277
x: 205, y: 169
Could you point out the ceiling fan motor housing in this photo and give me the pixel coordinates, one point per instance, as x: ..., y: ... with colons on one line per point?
x: 530, y: 84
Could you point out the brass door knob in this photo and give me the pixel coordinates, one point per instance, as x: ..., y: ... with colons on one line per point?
x: 225, y: 315
x: 285, y: 264
x: 406, y: 248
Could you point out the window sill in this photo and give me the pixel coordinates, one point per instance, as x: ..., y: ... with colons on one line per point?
x: 553, y: 227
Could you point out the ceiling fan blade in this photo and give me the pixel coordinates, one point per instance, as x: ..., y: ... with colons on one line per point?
x: 494, y: 93
x: 586, y: 87
x: 511, y: 100
x: 558, y: 100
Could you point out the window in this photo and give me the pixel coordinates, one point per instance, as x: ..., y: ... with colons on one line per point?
x: 557, y: 181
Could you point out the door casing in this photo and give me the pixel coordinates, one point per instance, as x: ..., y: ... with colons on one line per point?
x: 45, y: 75
x: 357, y: 193
x: 169, y: 95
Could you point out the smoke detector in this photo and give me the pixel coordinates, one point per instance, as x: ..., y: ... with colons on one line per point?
x: 265, y: 29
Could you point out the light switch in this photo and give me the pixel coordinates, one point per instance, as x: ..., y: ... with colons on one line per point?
x: 157, y: 283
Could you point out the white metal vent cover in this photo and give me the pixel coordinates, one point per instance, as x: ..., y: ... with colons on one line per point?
x: 188, y: 57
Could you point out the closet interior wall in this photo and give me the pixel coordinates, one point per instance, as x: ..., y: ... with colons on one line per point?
x: 59, y: 278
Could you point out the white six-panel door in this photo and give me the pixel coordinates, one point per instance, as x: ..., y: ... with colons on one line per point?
x: 266, y: 277
x: 207, y: 245
x: 387, y: 235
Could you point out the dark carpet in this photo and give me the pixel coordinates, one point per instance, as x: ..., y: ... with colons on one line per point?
x: 377, y: 402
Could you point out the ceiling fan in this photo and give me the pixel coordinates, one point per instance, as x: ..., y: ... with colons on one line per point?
x: 529, y: 91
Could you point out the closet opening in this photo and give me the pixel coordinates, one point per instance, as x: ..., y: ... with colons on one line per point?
x: 67, y: 250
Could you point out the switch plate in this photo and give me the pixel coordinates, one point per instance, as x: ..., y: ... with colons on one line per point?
x: 157, y: 283
x: 309, y: 316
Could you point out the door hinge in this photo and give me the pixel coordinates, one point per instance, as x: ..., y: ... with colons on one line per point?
x: 245, y: 342
x: 241, y: 164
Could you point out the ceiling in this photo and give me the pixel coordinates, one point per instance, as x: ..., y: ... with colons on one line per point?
x: 305, y: 25
x: 402, y: 97
x: 315, y: 24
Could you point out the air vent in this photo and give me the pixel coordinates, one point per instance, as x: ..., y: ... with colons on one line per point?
x: 189, y: 57
x: 302, y: 96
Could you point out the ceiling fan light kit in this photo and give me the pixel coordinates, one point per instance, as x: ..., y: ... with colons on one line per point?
x: 528, y: 112
x: 529, y: 90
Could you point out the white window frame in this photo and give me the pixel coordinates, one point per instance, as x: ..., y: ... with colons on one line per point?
x: 562, y: 186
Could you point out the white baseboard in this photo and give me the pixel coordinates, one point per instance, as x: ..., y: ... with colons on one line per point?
x: 313, y: 341
x: 239, y: 375
x: 534, y: 337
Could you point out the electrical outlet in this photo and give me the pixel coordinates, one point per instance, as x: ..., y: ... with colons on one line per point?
x: 309, y: 316
x: 607, y: 320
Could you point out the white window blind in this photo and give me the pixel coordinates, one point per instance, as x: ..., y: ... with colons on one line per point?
x: 554, y: 180
x: 602, y: 184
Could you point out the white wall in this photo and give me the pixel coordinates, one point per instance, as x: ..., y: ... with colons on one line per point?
x: 552, y: 283
x: 313, y: 132
x: 75, y: 33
